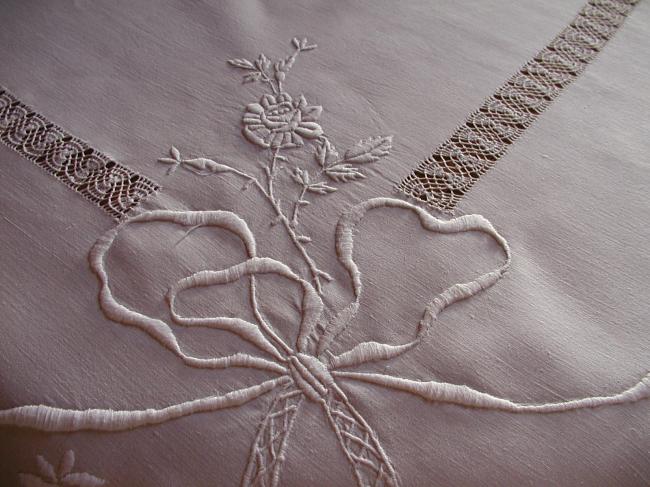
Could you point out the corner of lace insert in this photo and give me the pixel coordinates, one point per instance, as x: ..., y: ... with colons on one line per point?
x: 443, y: 178
x: 109, y: 185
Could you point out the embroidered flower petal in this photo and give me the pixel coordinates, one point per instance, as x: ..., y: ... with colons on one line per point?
x: 295, y: 140
x: 254, y: 109
x: 45, y: 469
x: 252, y: 118
x: 66, y: 464
x: 284, y: 98
x: 312, y: 113
x: 81, y: 479
x: 276, y: 139
x: 301, y: 102
x: 267, y: 100
x: 309, y: 130
x: 257, y: 136
x: 29, y: 480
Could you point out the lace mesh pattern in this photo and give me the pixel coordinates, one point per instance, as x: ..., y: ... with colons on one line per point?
x: 109, y: 185
x: 446, y: 175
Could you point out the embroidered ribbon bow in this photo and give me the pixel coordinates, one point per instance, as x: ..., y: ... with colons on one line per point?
x: 306, y: 369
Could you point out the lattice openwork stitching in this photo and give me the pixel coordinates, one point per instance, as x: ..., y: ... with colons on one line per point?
x: 98, y: 178
x: 446, y: 175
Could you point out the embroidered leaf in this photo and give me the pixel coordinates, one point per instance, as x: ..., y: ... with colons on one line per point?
x: 320, y: 188
x: 241, y: 63
x: 45, y: 469
x: 325, y: 152
x: 303, y: 202
x: 66, y: 464
x: 305, y: 46
x: 262, y: 63
x: 82, y: 480
x: 369, y: 150
x: 344, y: 173
x: 201, y: 165
x: 249, y: 78
x: 295, y: 42
x: 303, y: 239
x: 311, y: 113
x: 300, y: 176
x: 175, y: 153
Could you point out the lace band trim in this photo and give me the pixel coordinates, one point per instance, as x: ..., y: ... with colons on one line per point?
x: 108, y: 184
x: 446, y: 175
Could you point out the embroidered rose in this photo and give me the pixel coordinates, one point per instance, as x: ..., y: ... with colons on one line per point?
x: 278, y: 121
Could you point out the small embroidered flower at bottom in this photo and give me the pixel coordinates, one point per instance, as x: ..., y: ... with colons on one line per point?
x: 305, y: 368
x: 63, y: 476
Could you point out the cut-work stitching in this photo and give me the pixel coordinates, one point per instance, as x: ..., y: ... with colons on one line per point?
x: 452, y: 169
x: 108, y: 184
x: 304, y: 367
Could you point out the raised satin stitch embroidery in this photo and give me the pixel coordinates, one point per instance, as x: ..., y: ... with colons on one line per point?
x: 62, y: 476
x: 305, y: 369
x: 279, y: 123
x: 111, y: 186
x: 445, y: 176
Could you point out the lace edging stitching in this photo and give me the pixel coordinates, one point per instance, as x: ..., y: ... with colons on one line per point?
x: 106, y: 183
x: 443, y: 178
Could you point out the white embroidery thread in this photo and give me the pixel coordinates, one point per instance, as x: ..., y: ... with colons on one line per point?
x: 279, y: 123
x: 307, y: 370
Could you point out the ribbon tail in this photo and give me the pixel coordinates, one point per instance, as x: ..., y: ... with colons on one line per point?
x: 369, y: 462
x: 468, y: 397
x: 52, y: 419
x: 267, y: 453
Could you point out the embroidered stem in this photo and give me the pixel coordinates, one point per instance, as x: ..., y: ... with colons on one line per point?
x: 296, y: 206
x: 205, y: 167
x: 316, y: 273
x: 269, y: 81
x: 270, y: 170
